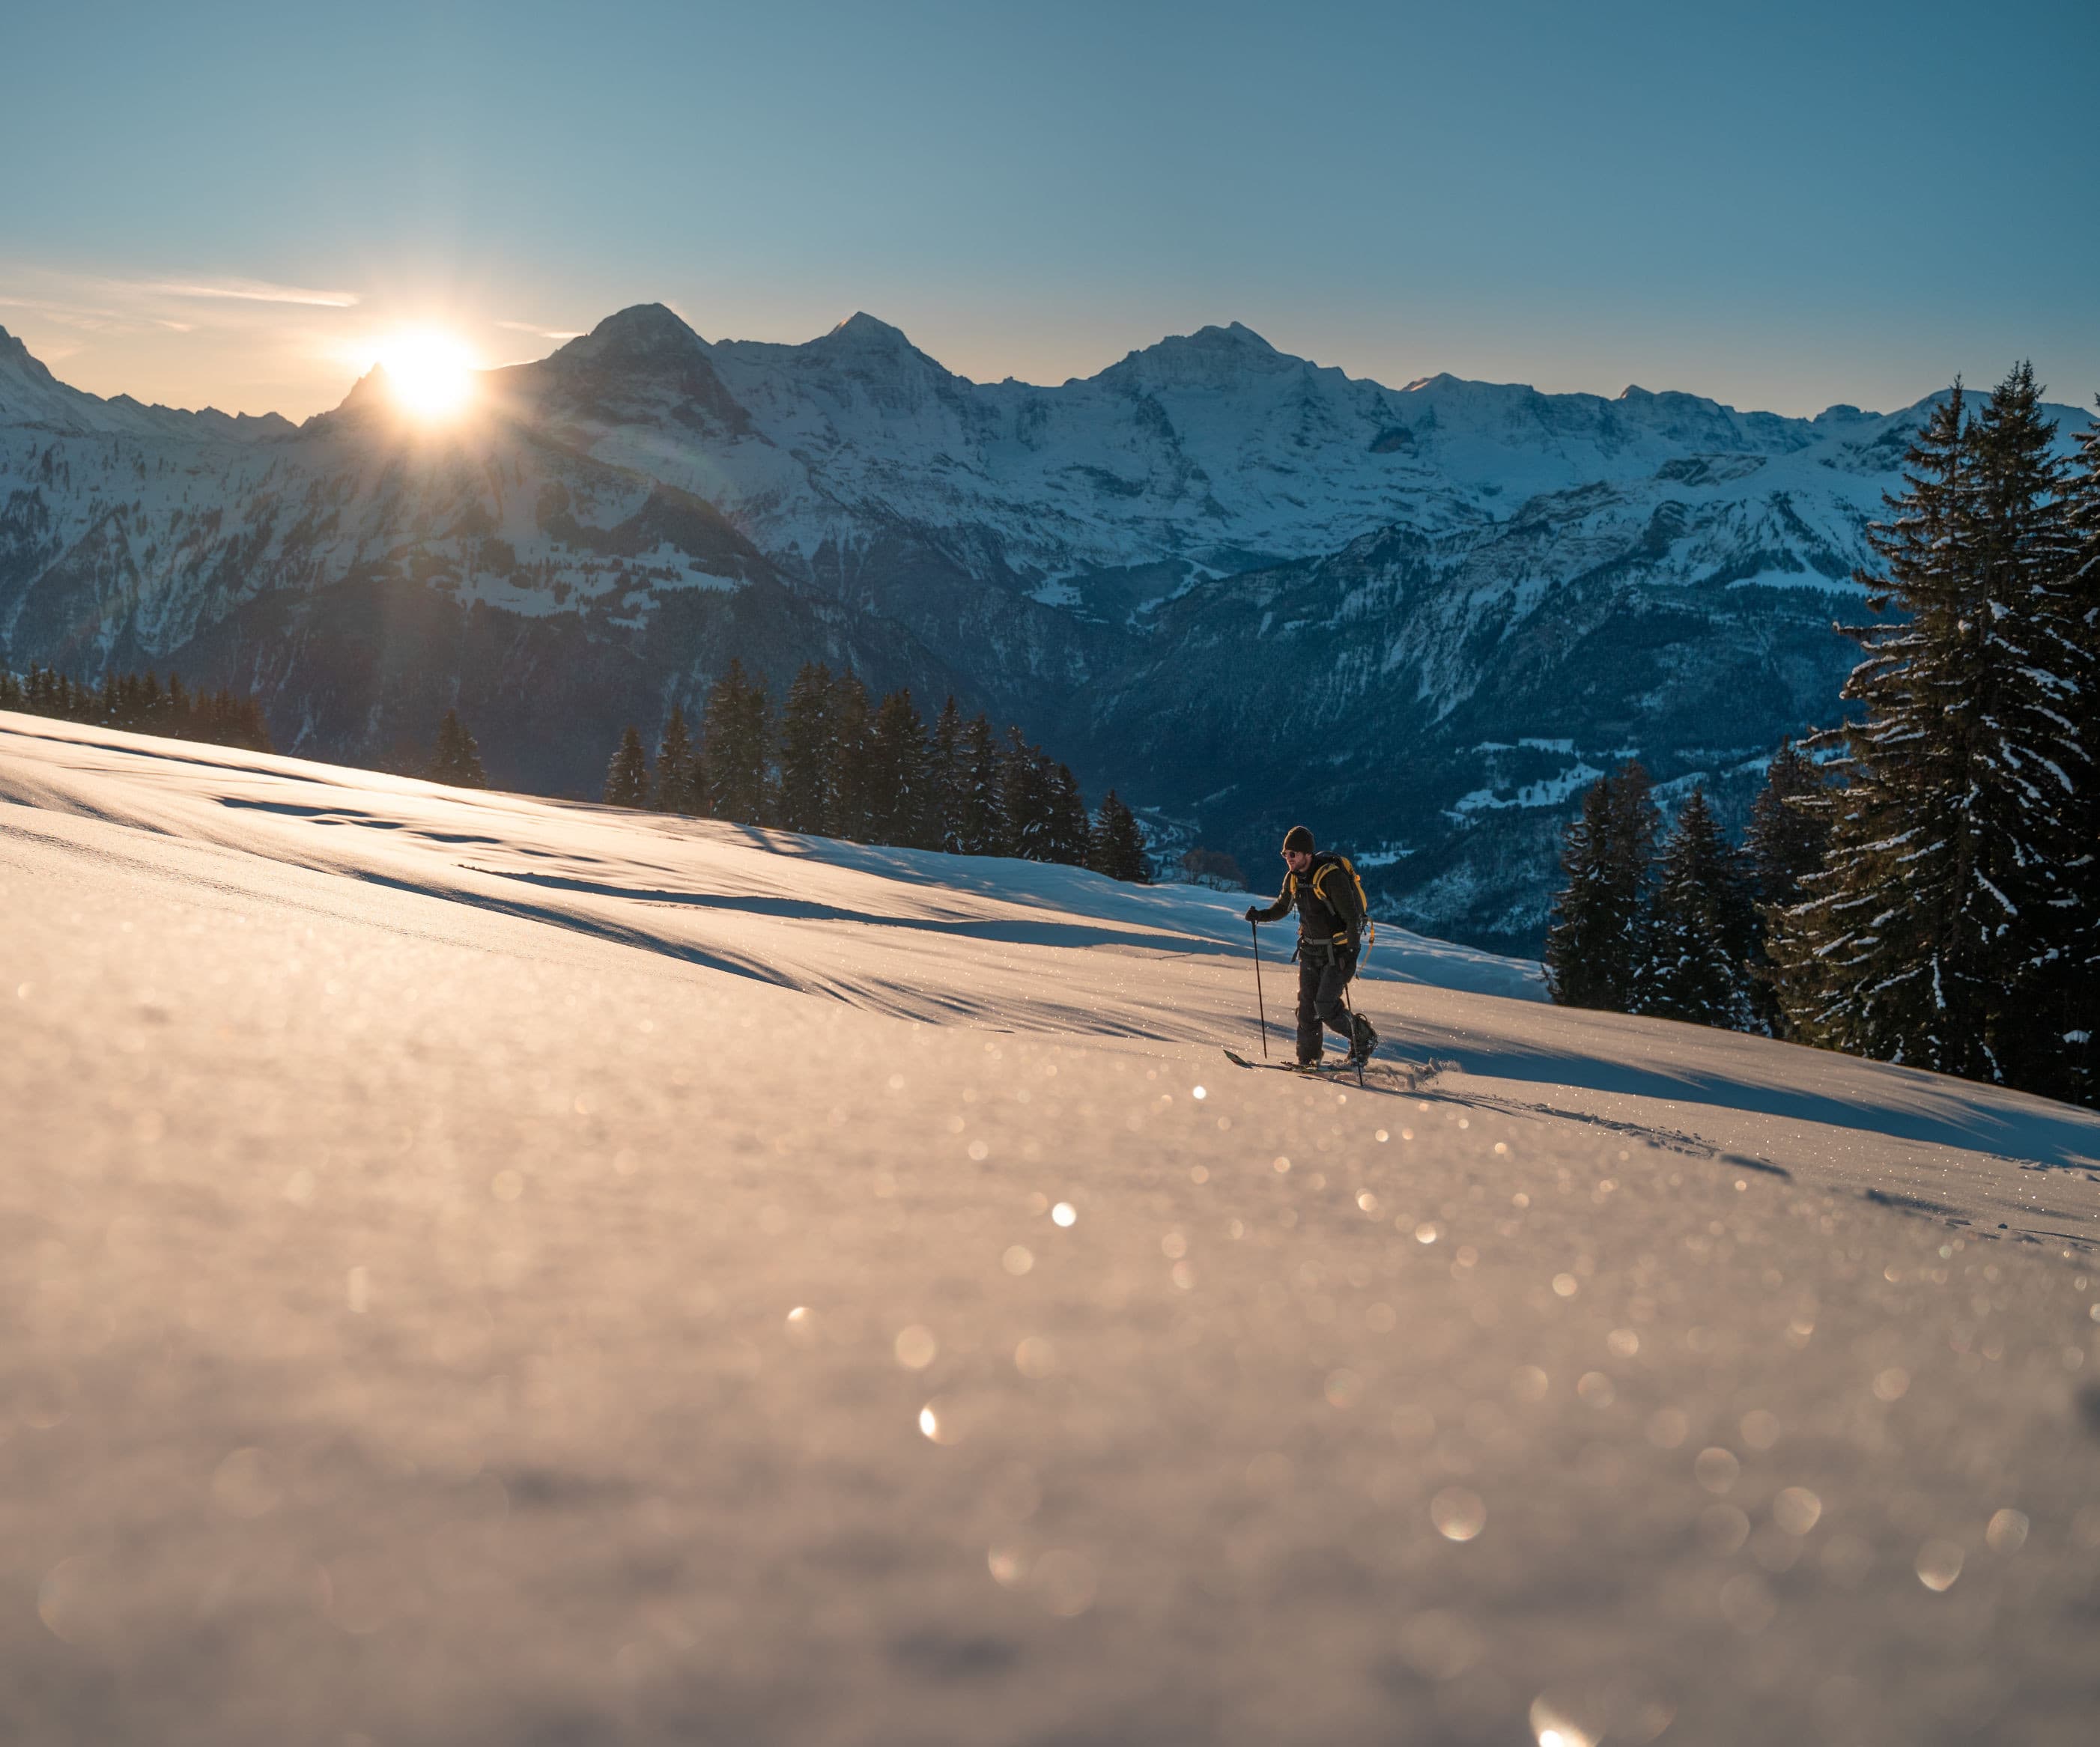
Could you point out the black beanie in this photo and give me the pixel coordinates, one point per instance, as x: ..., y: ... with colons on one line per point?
x: 1298, y: 839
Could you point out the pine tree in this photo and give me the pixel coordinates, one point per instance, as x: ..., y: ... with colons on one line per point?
x: 2081, y: 602
x: 1071, y: 832
x: 627, y: 778
x: 948, y: 773
x: 238, y: 721
x: 1858, y: 961
x: 736, y: 749
x: 1025, y: 799
x: 1118, y: 848
x: 809, y: 754
x: 1697, y: 940
x: 981, y: 809
x: 456, y: 759
x: 1594, y: 947
x: 1789, y: 827
x: 1785, y: 841
x: 2035, y: 762
x: 1935, y: 936
x: 680, y: 780
x: 899, y: 786
x: 853, y: 798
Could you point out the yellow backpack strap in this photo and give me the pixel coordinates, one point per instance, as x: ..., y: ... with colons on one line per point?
x: 1363, y: 901
x: 1319, y: 892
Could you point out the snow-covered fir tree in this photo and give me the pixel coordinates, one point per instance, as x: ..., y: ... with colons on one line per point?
x: 808, y: 751
x: 680, y: 782
x: 2079, y: 603
x: 1071, y: 832
x: 735, y: 748
x: 1026, y: 800
x: 456, y: 758
x: 1936, y: 932
x: 2033, y: 740
x: 1594, y: 948
x: 852, y: 800
x: 1858, y: 961
x: 1784, y: 842
x: 981, y: 809
x: 1699, y: 928
x: 1118, y: 846
x: 1789, y: 827
x: 627, y: 778
x: 949, y: 775
x: 899, y: 784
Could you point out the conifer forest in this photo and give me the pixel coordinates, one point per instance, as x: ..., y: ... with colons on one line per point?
x: 140, y: 704
x: 1921, y: 883
x: 839, y: 764
x: 836, y: 764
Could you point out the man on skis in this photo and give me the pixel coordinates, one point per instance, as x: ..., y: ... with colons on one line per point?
x: 1331, y: 921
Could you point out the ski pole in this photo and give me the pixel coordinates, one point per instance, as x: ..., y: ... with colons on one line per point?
x: 1349, y: 1007
x: 1254, y: 929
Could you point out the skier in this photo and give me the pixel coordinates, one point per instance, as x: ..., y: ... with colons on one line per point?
x: 1331, y: 919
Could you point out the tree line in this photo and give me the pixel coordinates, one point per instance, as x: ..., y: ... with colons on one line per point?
x: 1920, y: 884
x: 138, y: 702
x: 836, y: 763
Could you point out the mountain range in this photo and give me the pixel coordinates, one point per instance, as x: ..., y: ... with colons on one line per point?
x: 1244, y: 588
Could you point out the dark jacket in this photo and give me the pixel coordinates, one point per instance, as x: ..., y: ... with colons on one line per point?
x: 1325, y: 898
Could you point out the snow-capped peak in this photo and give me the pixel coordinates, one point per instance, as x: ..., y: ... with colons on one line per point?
x: 371, y: 398
x: 15, y: 355
x: 1212, y: 357
x: 31, y: 395
x: 641, y: 365
x: 862, y: 329
x: 642, y: 333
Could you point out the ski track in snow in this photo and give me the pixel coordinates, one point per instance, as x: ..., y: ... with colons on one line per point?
x: 488, y: 1270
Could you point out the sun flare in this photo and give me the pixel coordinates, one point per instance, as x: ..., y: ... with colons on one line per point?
x: 430, y: 373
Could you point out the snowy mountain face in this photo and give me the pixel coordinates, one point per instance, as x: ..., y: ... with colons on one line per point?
x: 1241, y: 587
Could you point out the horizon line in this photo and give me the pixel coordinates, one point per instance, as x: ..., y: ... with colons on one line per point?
x: 1226, y: 327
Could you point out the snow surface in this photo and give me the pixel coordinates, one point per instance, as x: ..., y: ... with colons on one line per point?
x: 493, y: 1270
x: 1809, y: 579
x: 1551, y: 791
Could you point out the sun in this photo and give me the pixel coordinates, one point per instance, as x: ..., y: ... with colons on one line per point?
x: 429, y: 372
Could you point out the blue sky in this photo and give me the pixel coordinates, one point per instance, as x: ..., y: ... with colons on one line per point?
x: 1781, y: 205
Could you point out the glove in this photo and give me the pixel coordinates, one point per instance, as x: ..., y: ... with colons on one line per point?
x: 1254, y: 913
x: 1348, y: 964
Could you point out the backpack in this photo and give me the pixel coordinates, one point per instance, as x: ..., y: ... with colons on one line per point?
x: 1363, y: 901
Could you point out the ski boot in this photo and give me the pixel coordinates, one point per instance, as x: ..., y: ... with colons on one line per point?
x: 1365, y: 1041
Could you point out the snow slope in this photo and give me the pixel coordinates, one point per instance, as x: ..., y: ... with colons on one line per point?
x: 491, y: 1271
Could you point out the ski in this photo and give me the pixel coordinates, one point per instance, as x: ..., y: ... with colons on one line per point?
x: 1281, y: 1067
x: 1384, y: 1076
